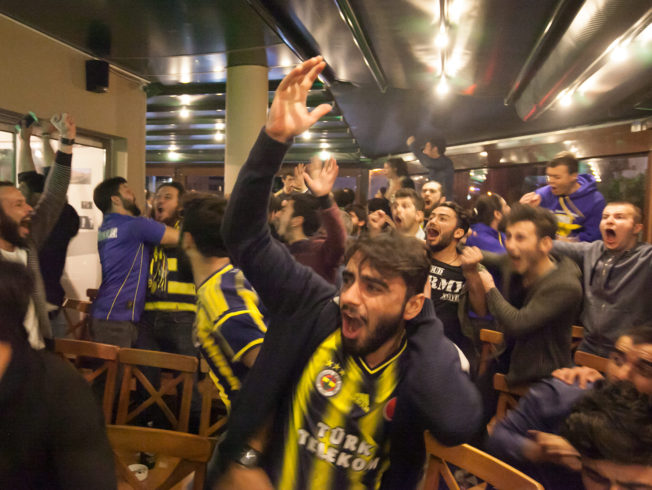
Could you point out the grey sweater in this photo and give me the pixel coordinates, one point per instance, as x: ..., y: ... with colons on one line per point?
x: 541, y: 327
x: 46, y: 214
x: 615, y: 291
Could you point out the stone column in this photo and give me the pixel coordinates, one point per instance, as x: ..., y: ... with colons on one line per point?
x: 247, y: 95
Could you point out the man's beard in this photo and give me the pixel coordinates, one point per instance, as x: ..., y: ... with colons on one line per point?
x: 386, y: 328
x: 444, y: 241
x: 10, y: 231
x: 130, y: 206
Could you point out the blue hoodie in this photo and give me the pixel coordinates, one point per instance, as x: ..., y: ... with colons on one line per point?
x: 578, y: 215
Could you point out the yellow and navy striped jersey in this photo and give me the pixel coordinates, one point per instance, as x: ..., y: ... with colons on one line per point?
x: 229, y: 323
x: 337, y: 428
x: 169, y: 288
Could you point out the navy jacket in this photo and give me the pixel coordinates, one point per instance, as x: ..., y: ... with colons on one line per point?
x: 435, y: 394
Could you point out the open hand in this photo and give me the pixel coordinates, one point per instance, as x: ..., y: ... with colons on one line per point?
x: 377, y: 220
x: 299, y: 181
x: 288, y: 116
x: 320, y: 181
x: 580, y: 374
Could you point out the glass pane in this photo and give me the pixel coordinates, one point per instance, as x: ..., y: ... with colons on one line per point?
x: 6, y: 156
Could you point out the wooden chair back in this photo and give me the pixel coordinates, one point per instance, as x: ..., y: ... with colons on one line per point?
x: 482, y: 465
x: 577, y: 335
x: 183, y: 369
x: 106, y: 363
x: 508, y: 396
x: 77, y: 315
x: 591, y: 360
x: 213, y: 412
x: 177, y: 455
x: 491, y: 341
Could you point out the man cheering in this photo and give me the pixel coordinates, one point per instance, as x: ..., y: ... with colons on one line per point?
x: 347, y: 384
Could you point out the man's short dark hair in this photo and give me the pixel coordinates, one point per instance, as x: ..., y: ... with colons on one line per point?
x: 307, y: 206
x: 544, y: 220
x: 34, y: 181
x: 393, y: 254
x: 612, y: 423
x: 565, y: 158
x: 344, y: 197
x: 485, y: 207
x: 16, y: 287
x: 359, y: 210
x: 105, y: 190
x: 463, y: 218
x: 417, y: 200
x: 399, y: 166
x: 437, y: 140
x: 377, y: 203
x: 638, y: 214
x: 202, y: 218
x: 275, y: 204
x: 177, y: 185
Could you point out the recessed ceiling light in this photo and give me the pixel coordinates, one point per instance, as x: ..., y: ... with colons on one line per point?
x: 324, y: 155
x: 184, y: 99
x: 219, y: 136
x: 483, y: 153
x: 184, y: 113
x: 442, y: 86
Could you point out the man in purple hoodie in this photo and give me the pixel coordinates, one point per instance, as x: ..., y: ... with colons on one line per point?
x: 573, y: 198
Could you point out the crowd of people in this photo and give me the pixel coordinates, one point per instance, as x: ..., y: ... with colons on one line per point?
x: 338, y: 331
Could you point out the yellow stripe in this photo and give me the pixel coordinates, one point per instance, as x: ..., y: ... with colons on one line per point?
x: 254, y: 315
x: 246, y: 348
x: 221, y: 392
x: 172, y: 264
x: 175, y: 287
x: 170, y: 306
x: 388, y: 361
x: 300, y: 407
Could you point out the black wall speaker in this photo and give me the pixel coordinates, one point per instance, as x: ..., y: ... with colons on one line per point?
x: 97, y: 76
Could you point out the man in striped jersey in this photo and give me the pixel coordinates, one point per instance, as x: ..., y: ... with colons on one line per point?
x: 230, y: 327
x: 343, y: 387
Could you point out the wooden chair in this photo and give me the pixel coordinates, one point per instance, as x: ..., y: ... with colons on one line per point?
x: 508, y: 395
x: 491, y: 340
x: 577, y: 334
x: 78, y: 327
x: 211, y: 403
x: 591, y: 360
x: 487, y: 468
x: 106, y: 357
x: 183, y: 370
x: 177, y: 455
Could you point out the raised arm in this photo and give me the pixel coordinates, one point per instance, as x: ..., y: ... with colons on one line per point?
x: 279, y: 280
x: 25, y: 158
x: 53, y: 199
x: 320, y: 182
x: 548, y: 304
x: 574, y: 251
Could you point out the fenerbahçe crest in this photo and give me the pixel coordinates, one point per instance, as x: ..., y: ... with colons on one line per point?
x: 329, y: 382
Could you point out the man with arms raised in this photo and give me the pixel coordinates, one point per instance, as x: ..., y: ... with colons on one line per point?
x: 430, y: 154
x: 347, y: 386
x: 617, y: 276
x: 124, y: 243
x: 24, y: 231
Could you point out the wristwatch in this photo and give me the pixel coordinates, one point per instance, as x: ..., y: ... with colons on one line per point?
x: 248, y: 457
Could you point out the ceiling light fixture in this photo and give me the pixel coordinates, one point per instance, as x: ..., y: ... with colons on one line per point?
x: 483, y: 153
x: 441, y: 41
x: 173, y: 156
x: 184, y: 99
x: 442, y: 86
x: 219, y: 136
x: 184, y: 113
x: 324, y: 155
x: 619, y: 54
x: 306, y: 135
x: 219, y: 125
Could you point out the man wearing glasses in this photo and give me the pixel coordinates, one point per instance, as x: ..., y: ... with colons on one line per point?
x: 527, y: 437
